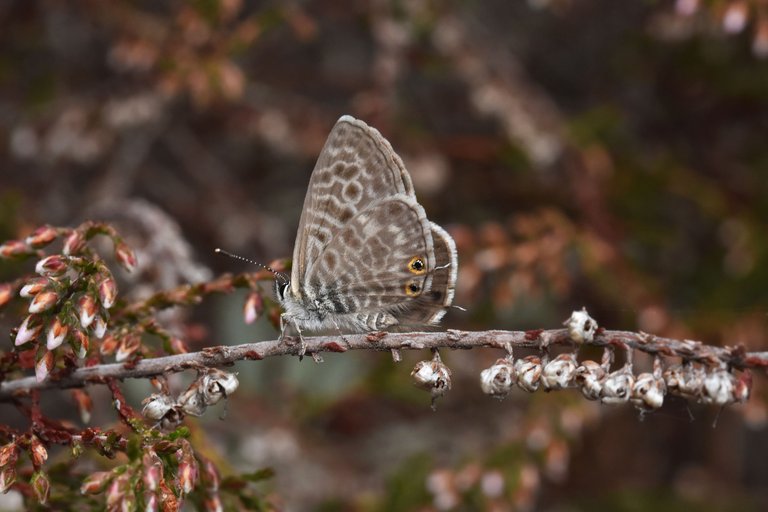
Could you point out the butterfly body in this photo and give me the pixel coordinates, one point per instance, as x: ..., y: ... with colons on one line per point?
x: 366, y: 257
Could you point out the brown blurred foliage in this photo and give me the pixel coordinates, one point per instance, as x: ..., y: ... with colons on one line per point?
x: 597, y: 153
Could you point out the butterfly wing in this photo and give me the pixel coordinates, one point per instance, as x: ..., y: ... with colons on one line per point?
x: 356, y: 168
x: 380, y: 260
x: 430, y: 307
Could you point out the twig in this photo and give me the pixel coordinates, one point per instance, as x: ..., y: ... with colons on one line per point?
x: 735, y: 357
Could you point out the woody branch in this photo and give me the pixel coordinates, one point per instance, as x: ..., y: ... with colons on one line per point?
x: 695, y: 351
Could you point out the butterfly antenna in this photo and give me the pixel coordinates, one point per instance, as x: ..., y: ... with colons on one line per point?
x: 277, y: 274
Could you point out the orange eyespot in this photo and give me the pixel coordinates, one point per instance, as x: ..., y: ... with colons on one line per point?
x: 412, y: 289
x: 417, y: 265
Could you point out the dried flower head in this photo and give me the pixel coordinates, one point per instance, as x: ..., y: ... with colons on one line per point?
x: 590, y: 376
x: 685, y: 380
x: 581, y: 326
x: 218, y: 384
x: 156, y: 407
x: 719, y: 387
x: 528, y: 371
x: 617, y: 386
x: 432, y: 376
x: 560, y: 372
x: 498, y: 379
x: 648, y: 392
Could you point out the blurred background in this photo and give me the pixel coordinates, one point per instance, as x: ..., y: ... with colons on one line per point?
x: 581, y: 152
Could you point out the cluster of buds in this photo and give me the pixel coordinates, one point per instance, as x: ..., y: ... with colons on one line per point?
x: 433, y: 376
x: 159, y: 492
x: 208, y: 389
x: 716, y: 386
x: 70, y: 298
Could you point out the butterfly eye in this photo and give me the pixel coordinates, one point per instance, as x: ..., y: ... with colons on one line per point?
x: 281, y: 289
x: 416, y: 265
x: 412, y: 289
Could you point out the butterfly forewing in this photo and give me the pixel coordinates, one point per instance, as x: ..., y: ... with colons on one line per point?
x: 357, y: 167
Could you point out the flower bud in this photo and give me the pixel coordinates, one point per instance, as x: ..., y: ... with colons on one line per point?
x: 84, y: 404
x: 33, y: 287
x: 498, y: 380
x: 129, y: 344
x: 192, y: 401
x: 212, y: 503
x: 37, y: 451
x: 107, y: 291
x: 41, y: 486
x: 54, y: 265
x: 6, y: 293
x: 187, y: 472
x: 151, y: 502
x: 29, y: 330
x: 590, y: 376
x: 7, y: 478
x: 56, y: 333
x: 74, y: 243
x: 253, y: 308
x: 125, y: 256
x: 43, y: 301
x: 86, y: 310
x: 617, y: 386
x: 560, y: 372
x: 44, y: 366
x: 648, y: 392
x: 211, y: 475
x: 116, y: 492
x: 178, y: 346
x: 95, y: 483
x: 168, y: 499
x: 99, y: 327
x: 152, y: 470
x: 433, y: 376
x: 528, y: 371
x: 581, y: 326
x: 13, y: 248
x: 9, y: 453
x: 42, y: 236
x: 80, y: 343
x: 108, y: 345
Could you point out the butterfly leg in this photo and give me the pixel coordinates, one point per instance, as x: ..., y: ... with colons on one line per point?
x: 285, y: 322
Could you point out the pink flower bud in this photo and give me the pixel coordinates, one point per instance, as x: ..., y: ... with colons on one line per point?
x: 44, y: 366
x: 43, y: 301
x: 80, y: 343
x: 33, y: 287
x: 29, y: 330
x: 178, y: 346
x: 253, y: 308
x: 211, y: 475
x: 6, y: 292
x: 108, y: 345
x: 86, y: 309
x: 53, y: 265
x: 41, y: 486
x: 152, y: 471
x: 151, y: 502
x: 128, y: 345
x: 107, y: 291
x: 42, y: 236
x: 37, y: 451
x: 125, y: 256
x: 99, y: 327
x: 56, y: 334
x: 13, y: 248
x: 8, y: 454
x: 116, y: 492
x: 7, y: 478
x: 187, y: 472
x: 84, y: 404
x: 168, y: 499
x: 213, y: 503
x: 95, y: 483
x: 74, y: 243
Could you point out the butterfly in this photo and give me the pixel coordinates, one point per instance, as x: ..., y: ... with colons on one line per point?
x: 366, y: 258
